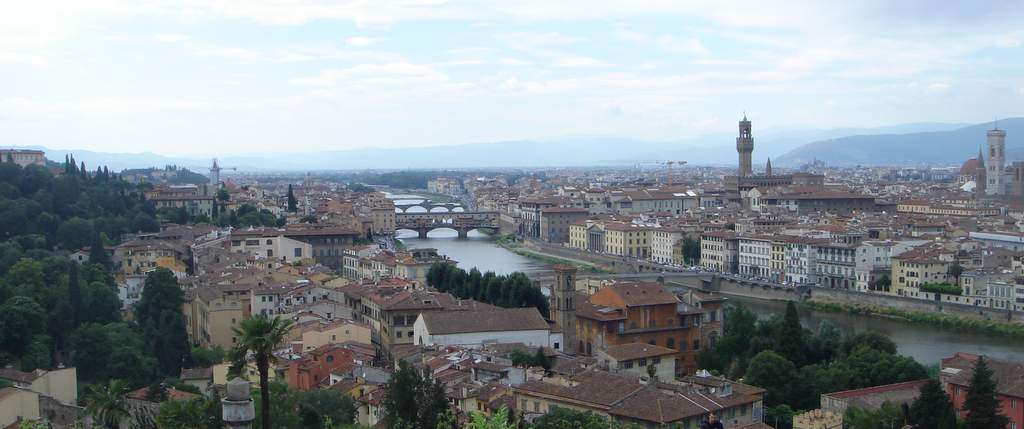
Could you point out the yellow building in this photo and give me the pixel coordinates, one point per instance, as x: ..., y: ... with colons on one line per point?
x: 918, y: 266
x: 778, y: 261
x: 625, y: 239
x: 220, y: 374
x: 212, y: 313
x: 578, y: 235
x: 18, y: 404
x: 60, y: 384
x: 315, y: 334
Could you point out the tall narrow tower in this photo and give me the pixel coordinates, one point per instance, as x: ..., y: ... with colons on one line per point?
x: 996, y: 161
x: 980, y: 173
x: 563, y: 305
x: 745, y: 147
x: 215, y: 175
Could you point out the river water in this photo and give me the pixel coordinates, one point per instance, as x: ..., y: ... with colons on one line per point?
x: 924, y: 343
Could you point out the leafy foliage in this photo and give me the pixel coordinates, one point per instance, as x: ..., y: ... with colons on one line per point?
x: 259, y: 336
x: 158, y: 314
x: 513, y: 290
x: 943, y: 288
x: 411, y: 401
x: 932, y: 409
x: 982, y: 404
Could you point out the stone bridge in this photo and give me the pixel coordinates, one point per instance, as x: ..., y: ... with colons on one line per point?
x: 463, y: 222
x: 427, y: 205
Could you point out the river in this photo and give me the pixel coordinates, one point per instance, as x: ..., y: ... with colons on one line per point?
x: 924, y: 343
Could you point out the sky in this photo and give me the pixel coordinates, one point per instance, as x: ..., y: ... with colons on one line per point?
x: 245, y: 77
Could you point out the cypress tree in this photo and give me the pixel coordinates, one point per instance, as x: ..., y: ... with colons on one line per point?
x: 74, y: 293
x: 932, y: 409
x: 790, y: 342
x: 293, y: 204
x: 982, y: 405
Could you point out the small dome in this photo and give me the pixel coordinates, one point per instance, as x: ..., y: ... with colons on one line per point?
x: 969, y: 168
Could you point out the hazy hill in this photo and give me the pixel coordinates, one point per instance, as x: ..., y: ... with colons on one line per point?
x: 718, y: 148
x: 934, y: 147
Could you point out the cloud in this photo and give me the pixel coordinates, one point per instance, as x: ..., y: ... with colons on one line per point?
x: 578, y: 61
x: 171, y: 38
x: 361, y: 41
x: 670, y: 43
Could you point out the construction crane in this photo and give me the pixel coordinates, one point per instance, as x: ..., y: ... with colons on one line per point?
x: 215, y: 173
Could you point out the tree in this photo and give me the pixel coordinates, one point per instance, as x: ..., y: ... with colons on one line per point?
x: 870, y: 339
x: 38, y: 354
x: 191, y: 414
x: 293, y: 204
x: 259, y: 336
x: 99, y: 304
x: 499, y: 420
x: 204, y: 358
x: 98, y: 252
x: 888, y: 415
x: 223, y: 195
x: 75, y: 233
x: 411, y: 401
x: 21, y: 319
x: 101, y: 352
x: 790, y: 342
x: 106, y: 402
x: 982, y: 404
x: 158, y: 313
x: 932, y: 408
x: 691, y: 251
x: 565, y: 418
x: 74, y: 294
x: 773, y: 372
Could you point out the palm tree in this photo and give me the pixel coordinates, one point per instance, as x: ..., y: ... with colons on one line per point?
x: 106, y: 402
x: 259, y: 336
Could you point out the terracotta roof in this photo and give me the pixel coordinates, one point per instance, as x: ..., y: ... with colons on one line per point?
x: 20, y: 376
x: 872, y: 398
x: 642, y: 294
x: 504, y: 319
x: 1009, y: 376
x: 631, y: 351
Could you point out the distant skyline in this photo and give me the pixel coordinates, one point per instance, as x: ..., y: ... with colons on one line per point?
x: 259, y: 76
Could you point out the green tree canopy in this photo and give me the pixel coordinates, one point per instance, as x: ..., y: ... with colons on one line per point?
x: 982, y: 404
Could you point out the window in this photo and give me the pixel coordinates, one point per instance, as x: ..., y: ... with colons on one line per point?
x: 656, y: 360
x: 556, y: 347
x: 536, y: 406
x: 696, y: 344
x: 297, y: 252
x: 642, y: 362
x: 330, y: 358
x: 627, y: 364
x: 670, y: 343
x: 269, y: 241
x: 270, y: 253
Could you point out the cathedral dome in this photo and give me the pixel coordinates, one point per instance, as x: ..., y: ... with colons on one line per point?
x: 970, y: 166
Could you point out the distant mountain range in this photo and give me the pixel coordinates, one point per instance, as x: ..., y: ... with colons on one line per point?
x: 908, y: 144
x: 916, y: 148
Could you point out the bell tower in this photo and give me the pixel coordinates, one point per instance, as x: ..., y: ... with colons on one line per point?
x: 563, y: 305
x: 745, y: 147
x: 996, y: 140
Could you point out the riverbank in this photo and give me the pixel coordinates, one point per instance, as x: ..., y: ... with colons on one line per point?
x: 945, y: 321
x: 510, y: 244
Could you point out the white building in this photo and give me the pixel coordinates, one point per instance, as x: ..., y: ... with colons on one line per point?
x: 476, y: 329
x: 666, y: 245
x: 755, y: 254
x: 874, y: 261
x: 271, y: 244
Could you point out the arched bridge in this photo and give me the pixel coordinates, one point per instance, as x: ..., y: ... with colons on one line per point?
x: 463, y: 222
x: 427, y: 205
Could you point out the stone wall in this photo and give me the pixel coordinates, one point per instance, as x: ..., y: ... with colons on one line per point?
x: 847, y: 297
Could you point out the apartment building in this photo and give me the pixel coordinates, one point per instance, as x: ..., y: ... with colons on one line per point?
x: 625, y: 313
x: 212, y: 313
x: 555, y: 222
x: 915, y: 267
x: 874, y: 263
x: 719, y: 251
x: 270, y: 243
x: 667, y: 245
x: 755, y: 253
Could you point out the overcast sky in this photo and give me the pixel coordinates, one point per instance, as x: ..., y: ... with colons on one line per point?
x: 257, y: 76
